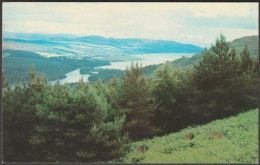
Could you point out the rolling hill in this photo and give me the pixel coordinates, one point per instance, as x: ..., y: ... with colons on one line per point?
x: 18, y: 63
x: 238, y: 44
x: 37, y: 36
x: 92, y: 45
x: 139, y: 46
x: 251, y: 41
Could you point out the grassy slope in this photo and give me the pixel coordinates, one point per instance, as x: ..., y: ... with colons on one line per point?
x: 239, y: 143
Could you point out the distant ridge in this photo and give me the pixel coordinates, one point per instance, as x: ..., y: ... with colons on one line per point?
x: 128, y: 45
x: 36, y: 36
x: 251, y: 41
x: 142, y: 45
x: 184, y: 62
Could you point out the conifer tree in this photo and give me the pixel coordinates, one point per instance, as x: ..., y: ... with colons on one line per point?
x: 73, y: 126
x: 248, y: 80
x: 246, y: 60
x: 173, y: 91
x: 164, y: 92
x: 20, y: 117
x: 7, y: 104
x: 135, y: 101
x: 218, y: 80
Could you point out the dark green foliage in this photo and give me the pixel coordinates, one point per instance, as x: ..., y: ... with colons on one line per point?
x: 164, y: 89
x: 19, y: 116
x: 18, y: 63
x: 105, y: 91
x: 222, y: 81
x: 86, y: 70
x: 220, y: 85
x: 105, y: 74
x: 135, y: 101
x: 80, y: 117
x: 248, y: 80
x: 56, y: 123
x: 174, y: 93
x: 5, y: 83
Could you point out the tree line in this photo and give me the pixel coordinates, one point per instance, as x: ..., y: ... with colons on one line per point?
x: 92, y: 123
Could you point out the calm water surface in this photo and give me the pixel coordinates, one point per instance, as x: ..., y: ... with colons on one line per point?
x: 73, y: 76
x: 147, y: 59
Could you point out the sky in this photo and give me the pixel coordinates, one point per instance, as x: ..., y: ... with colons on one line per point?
x: 193, y: 23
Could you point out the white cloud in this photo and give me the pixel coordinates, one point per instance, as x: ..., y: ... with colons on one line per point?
x: 195, y: 36
x: 168, y: 21
x: 214, y: 10
x: 100, y: 12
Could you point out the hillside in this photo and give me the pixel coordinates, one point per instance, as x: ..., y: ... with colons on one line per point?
x: 251, y: 41
x: 65, y: 44
x: 239, y: 44
x: 37, y: 36
x: 139, y: 46
x: 183, y: 62
x: 17, y: 63
x: 235, y: 141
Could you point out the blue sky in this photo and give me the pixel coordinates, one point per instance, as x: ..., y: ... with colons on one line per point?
x: 195, y: 23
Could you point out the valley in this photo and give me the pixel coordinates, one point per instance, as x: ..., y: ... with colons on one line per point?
x: 59, y: 56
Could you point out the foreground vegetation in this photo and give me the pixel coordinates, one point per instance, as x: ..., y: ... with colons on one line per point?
x: 96, y: 122
x: 231, y: 140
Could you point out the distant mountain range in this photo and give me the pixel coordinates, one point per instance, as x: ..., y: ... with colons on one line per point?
x: 37, y: 36
x: 142, y: 45
x: 110, y: 45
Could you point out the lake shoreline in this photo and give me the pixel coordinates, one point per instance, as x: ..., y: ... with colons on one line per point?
x: 144, y: 59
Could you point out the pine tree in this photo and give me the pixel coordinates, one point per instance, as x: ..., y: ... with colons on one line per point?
x: 218, y: 80
x: 20, y: 117
x: 74, y: 126
x: 5, y: 83
x: 136, y: 103
x: 9, y: 115
x: 248, y: 80
x: 164, y: 92
x: 246, y: 60
x: 174, y: 94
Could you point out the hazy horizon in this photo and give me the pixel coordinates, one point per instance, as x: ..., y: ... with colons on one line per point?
x: 188, y: 23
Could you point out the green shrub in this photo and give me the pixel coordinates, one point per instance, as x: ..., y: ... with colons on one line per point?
x: 238, y: 143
